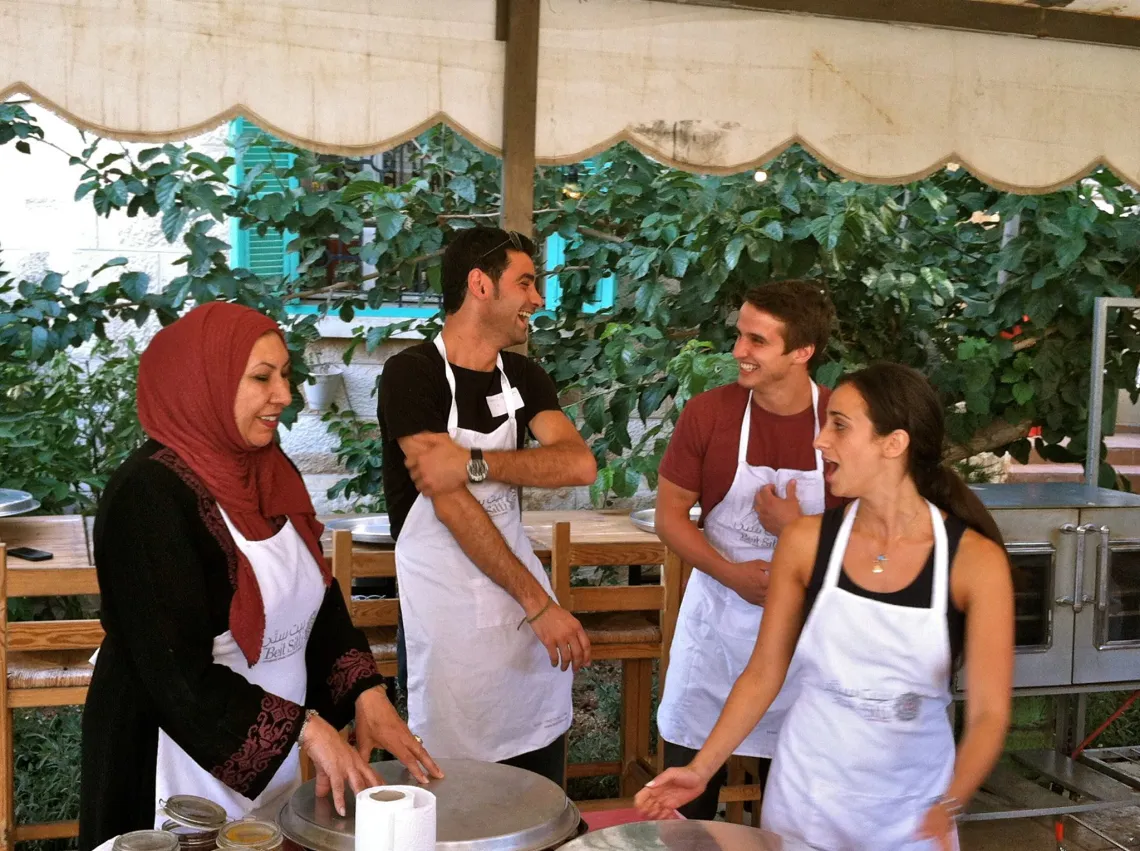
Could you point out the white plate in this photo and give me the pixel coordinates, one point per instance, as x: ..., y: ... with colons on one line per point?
x: 644, y: 518
x: 365, y: 528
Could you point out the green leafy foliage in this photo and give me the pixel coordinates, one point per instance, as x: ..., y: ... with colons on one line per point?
x: 67, y: 424
x: 46, y: 744
x: 990, y: 294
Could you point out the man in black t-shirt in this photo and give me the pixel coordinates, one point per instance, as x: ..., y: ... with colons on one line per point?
x: 488, y: 649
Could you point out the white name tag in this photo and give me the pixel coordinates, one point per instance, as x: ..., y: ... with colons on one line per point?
x: 499, y: 408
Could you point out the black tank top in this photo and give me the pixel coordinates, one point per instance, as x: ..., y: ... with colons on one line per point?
x: 917, y: 595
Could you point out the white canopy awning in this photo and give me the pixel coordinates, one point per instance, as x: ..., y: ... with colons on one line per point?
x: 702, y: 88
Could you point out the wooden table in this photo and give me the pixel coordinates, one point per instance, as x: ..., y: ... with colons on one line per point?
x: 611, y: 530
x: 69, y: 538
x: 66, y: 537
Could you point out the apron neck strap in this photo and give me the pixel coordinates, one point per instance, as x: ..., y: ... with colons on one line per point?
x: 746, y: 430
x: 453, y: 413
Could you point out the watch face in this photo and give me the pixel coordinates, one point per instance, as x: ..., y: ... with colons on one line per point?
x: 477, y: 470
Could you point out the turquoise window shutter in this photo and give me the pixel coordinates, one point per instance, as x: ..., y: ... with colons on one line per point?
x: 266, y: 256
x: 605, y: 290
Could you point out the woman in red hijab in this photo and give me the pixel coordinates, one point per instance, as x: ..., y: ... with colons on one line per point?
x: 229, y: 651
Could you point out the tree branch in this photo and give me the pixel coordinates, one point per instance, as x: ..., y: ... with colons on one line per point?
x: 602, y: 235
x: 993, y: 436
x: 445, y: 216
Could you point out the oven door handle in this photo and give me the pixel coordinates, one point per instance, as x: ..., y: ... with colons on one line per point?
x: 1078, y: 599
x: 1104, y: 553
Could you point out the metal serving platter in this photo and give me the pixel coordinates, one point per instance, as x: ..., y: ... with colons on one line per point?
x: 365, y: 528
x: 643, y: 519
x: 16, y: 502
x: 680, y: 835
x: 480, y: 806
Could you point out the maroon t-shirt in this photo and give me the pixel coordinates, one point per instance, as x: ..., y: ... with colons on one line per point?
x: 701, y: 456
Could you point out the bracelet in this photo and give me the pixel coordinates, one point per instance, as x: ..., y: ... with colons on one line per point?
x: 952, y: 805
x: 310, y: 714
x: 536, y: 616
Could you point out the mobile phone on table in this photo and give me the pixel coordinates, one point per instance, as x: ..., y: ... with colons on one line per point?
x: 29, y: 554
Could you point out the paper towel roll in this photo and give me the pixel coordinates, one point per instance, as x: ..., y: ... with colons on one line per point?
x: 395, y: 818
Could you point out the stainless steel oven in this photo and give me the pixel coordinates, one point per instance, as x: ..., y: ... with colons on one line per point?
x: 1076, y: 555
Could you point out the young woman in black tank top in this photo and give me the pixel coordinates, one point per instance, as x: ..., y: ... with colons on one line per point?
x: 916, y: 595
x: 919, y: 580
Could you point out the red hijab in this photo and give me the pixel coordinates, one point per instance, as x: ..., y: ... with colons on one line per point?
x: 188, y: 380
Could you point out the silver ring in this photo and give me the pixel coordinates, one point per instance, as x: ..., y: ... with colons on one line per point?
x: 418, y: 739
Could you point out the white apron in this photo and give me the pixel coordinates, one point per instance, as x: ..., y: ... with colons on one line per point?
x: 292, y: 591
x: 478, y: 686
x: 869, y: 748
x: 716, y: 628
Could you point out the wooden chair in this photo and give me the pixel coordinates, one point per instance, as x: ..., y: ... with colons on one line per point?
x: 378, y: 618
x: 630, y: 624
x: 47, y: 665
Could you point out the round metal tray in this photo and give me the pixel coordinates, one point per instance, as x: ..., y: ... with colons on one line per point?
x: 365, y: 528
x: 680, y: 835
x: 480, y: 806
x: 643, y: 519
x: 16, y: 502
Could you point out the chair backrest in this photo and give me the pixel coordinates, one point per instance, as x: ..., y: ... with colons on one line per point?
x: 349, y: 563
x: 84, y: 634
x: 665, y: 597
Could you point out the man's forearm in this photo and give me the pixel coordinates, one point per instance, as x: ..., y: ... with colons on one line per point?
x: 682, y: 536
x: 553, y: 466
x: 481, y: 541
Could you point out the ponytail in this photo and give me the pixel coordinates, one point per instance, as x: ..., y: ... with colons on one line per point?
x: 946, y: 489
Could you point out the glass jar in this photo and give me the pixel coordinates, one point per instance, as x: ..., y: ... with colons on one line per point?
x: 145, y: 840
x: 249, y: 835
x: 194, y: 821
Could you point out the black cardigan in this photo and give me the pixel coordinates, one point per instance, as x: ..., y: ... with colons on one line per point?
x: 166, y: 563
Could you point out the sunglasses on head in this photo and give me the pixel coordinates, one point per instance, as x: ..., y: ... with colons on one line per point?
x: 514, y: 240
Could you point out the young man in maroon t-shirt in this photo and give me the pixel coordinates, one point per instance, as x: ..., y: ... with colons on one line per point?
x: 744, y: 453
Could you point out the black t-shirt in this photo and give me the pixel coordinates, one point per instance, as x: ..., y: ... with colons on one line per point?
x: 414, y: 397
x: 917, y: 595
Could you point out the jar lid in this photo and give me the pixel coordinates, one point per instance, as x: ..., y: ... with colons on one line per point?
x: 192, y: 811
x: 146, y: 840
x: 249, y: 834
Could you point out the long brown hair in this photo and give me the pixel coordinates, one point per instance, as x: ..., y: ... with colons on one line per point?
x: 898, y: 397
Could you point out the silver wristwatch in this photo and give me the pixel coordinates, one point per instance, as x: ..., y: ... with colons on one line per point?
x: 477, y: 468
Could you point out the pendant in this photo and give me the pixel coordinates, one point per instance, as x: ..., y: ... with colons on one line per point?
x: 879, y: 562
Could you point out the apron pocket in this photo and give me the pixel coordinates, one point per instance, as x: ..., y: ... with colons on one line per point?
x: 840, y: 818
x: 494, y: 607
x: 740, y: 621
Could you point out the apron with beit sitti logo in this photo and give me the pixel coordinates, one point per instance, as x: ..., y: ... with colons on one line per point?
x: 292, y: 591
x: 478, y: 686
x: 868, y: 748
x: 716, y: 627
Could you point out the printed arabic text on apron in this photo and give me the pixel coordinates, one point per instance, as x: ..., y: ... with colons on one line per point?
x: 868, y: 748
x: 292, y: 591
x: 478, y: 687
x: 716, y: 627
